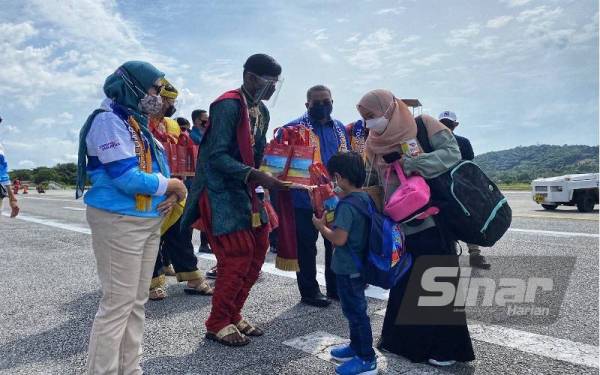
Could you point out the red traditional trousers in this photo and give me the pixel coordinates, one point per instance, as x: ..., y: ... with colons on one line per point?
x: 240, y: 256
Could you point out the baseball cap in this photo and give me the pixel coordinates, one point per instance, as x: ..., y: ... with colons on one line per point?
x: 447, y: 115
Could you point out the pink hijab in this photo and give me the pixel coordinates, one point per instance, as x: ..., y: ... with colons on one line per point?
x: 401, y: 128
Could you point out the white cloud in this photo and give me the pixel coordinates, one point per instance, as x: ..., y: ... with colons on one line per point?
x: 390, y: 11
x: 515, y: 3
x: 498, y: 22
x: 320, y: 50
x: 320, y: 35
x: 63, y: 118
x: 26, y: 164
x: 429, y: 59
x: 56, y: 52
x: 460, y: 37
x: 353, y: 38
x: 369, y: 52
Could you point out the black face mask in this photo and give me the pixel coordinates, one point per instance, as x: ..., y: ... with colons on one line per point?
x: 320, y: 111
x: 170, y: 111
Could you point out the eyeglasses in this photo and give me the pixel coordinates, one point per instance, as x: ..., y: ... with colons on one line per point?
x: 158, y: 88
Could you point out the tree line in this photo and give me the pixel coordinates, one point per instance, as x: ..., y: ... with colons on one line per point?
x: 64, y: 174
x: 516, y: 165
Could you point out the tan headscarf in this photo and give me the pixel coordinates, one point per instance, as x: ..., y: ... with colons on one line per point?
x: 401, y: 128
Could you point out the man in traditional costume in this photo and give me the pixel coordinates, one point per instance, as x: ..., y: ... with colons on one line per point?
x: 223, y: 201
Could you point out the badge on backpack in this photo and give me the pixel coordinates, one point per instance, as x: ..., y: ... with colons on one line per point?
x: 411, y: 147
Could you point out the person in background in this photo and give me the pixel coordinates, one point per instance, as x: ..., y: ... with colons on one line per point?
x: 5, y: 182
x: 392, y: 129
x: 176, y: 248
x: 200, y: 121
x: 328, y: 136
x: 349, y: 234
x: 223, y: 201
x: 448, y: 118
x: 131, y: 192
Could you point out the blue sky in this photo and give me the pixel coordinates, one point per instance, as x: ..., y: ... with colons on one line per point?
x: 516, y: 72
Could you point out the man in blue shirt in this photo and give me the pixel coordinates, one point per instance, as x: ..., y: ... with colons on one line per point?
x: 328, y: 135
x: 200, y: 121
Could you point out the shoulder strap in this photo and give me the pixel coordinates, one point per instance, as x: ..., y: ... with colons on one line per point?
x: 422, y: 136
x: 359, y: 204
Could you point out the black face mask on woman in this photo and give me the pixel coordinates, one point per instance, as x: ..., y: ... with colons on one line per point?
x: 320, y: 111
x: 170, y: 111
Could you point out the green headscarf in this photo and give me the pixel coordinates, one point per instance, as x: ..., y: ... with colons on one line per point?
x: 126, y: 86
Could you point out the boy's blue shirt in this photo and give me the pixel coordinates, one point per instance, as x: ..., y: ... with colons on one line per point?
x: 351, y: 220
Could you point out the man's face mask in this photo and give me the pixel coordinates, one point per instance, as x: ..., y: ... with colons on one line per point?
x: 320, y: 110
x: 170, y: 111
x: 151, y: 104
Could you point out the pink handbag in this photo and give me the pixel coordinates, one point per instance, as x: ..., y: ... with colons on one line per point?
x: 410, y: 200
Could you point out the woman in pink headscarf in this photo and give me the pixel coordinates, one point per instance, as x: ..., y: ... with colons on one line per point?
x: 439, y: 335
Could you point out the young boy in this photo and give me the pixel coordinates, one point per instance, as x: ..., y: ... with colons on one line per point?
x: 349, y: 236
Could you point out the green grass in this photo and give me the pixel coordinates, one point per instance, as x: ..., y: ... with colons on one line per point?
x: 515, y: 186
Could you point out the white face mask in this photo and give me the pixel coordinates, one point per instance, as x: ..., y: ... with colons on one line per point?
x: 378, y: 124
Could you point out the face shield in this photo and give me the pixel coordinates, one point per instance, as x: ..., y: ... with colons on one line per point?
x: 269, y: 88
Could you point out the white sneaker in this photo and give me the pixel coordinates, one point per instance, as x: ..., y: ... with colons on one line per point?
x: 441, y: 363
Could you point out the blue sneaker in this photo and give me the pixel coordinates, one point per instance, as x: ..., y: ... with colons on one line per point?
x: 342, y: 353
x: 357, y: 366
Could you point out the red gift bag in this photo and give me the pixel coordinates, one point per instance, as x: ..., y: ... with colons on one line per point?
x: 195, y: 151
x: 324, y: 201
x: 301, y: 160
x: 171, y: 154
x: 276, y: 159
x: 319, y: 175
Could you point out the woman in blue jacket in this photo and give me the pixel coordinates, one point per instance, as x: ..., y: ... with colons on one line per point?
x: 131, y: 191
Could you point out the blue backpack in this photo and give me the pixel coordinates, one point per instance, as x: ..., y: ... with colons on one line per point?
x: 386, y: 260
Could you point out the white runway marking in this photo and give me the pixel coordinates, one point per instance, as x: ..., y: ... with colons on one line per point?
x: 553, y: 233
x: 52, y: 199
x: 546, y: 346
x: 53, y: 223
x: 320, y: 343
x: 75, y: 208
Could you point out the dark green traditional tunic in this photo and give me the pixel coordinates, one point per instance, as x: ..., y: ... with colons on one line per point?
x: 221, y: 171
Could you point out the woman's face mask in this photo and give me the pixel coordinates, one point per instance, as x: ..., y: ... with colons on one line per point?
x: 151, y: 104
x: 378, y: 124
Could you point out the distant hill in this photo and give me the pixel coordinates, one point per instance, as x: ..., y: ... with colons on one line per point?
x: 523, y: 164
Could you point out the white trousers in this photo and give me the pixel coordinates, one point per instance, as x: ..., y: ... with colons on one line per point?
x: 125, y: 248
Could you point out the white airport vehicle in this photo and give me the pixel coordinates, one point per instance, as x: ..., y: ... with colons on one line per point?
x: 568, y: 190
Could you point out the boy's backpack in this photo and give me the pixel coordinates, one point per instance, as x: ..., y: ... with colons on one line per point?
x: 472, y: 208
x: 386, y: 260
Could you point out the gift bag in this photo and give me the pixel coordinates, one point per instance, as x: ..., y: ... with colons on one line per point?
x: 301, y: 160
x: 171, y: 154
x: 195, y: 150
x: 276, y: 159
x: 319, y: 175
x: 324, y: 202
